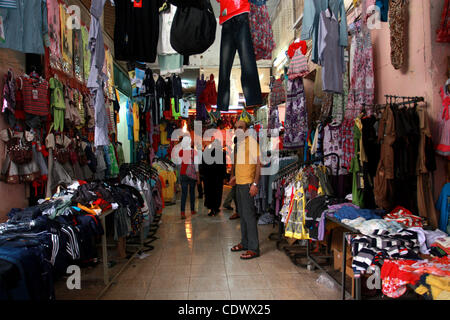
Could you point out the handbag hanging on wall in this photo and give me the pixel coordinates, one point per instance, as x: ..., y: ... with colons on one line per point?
x: 193, y: 29
x: 19, y: 149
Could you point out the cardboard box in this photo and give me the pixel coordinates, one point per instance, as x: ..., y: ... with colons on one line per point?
x: 338, y: 256
x: 336, y: 238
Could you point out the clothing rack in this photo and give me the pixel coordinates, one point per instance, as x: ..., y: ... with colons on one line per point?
x: 283, y: 173
x: 409, y: 99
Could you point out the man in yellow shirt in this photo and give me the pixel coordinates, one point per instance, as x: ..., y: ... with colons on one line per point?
x: 246, y: 173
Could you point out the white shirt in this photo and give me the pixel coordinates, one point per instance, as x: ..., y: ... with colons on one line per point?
x: 165, y: 24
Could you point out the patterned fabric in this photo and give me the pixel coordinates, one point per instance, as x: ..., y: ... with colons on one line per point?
x: 443, y: 147
x: 332, y: 143
x: 261, y: 30
x: 327, y: 105
x: 397, y: 17
x: 340, y: 100
x: 362, y: 84
x: 298, y: 66
x: 347, y: 143
x: 296, y: 123
x: 277, y: 93
x: 443, y: 34
x: 274, y: 118
x: 54, y: 31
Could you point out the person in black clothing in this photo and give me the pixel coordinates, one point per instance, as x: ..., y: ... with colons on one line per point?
x: 213, y: 175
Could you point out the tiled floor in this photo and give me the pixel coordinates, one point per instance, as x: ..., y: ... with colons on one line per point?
x: 192, y: 260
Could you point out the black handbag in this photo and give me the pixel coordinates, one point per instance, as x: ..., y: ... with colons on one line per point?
x: 193, y: 30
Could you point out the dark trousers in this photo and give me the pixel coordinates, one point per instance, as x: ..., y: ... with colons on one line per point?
x: 236, y: 36
x: 213, y: 192
x: 249, y: 219
x: 187, y: 183
x: 200, y: 187
x: 231, y: 197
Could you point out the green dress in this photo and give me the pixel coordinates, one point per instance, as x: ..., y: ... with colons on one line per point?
x: 355, y: 168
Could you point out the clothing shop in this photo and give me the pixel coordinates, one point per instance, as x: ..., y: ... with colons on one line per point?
x: 112, y: 110
x: 362, y: 190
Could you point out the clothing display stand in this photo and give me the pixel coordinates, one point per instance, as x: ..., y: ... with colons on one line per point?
x: 296, y: 252
x: 106, y: 279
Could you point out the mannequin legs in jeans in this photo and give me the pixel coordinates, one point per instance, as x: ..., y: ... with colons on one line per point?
x: 187, y: 183
x: 236, y: 36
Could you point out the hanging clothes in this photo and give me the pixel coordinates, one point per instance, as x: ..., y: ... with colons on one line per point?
x: 296, y: 123
x: 443, y: 146
x: 397, y: 24
x: 330, y: 53
x: 261, y: 30
x: 165, y: 23
x: 310, y: 26
x: 25, y: 27
x: 443, y: 34
x: 136, y: 30
x: 202, y: 114
x: 96, y: 76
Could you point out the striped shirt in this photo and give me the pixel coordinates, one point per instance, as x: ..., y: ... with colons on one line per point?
x: 12, y: 4
x: 35, y: 97
x: 298, y: 66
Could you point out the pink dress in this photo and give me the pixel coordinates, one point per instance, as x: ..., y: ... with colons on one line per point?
x: 443, y: 147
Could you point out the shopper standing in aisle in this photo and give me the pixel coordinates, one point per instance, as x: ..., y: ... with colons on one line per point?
x: 189, y: 175
x: 214, y: 173
x: 247, y: 169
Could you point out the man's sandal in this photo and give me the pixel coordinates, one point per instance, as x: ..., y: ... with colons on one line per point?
x: 238, y: 248
x: 249, y: 255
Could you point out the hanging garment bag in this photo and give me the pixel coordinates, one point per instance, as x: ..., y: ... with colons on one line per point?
x: 193, y: 30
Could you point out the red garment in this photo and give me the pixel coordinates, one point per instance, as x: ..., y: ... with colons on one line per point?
x: 294, y: 46
x: 19, y: 111
x: 185, y: 161
x: 405, y: 217
x: 232, y: 8
x: 35, y: 97
x: 147, y: 121
x: 156, y: 142
x: 443, y: 34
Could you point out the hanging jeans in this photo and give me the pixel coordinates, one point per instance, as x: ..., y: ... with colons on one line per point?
x: 187, y: 183
x: 236, y: 36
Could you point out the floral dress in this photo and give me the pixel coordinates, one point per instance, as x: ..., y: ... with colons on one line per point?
x: 296, y: 123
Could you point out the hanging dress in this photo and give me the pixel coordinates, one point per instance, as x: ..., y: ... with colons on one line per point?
x: 443, y: 147
x: 296, y: 123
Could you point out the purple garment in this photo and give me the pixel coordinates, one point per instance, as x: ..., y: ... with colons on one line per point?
x: 202, y: 114
x: 322, y: 226
x: 296, y: 123
x: 336, y: 207
x: 274, y: 118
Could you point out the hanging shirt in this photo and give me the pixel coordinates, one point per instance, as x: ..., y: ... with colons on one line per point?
x: 165, y: 23
x: 136, y: 30
x: 136, y: 121
x: 130, y: 121
x: 35, y: 96
x: 310, y: 26
x: 25, y: 26
x: 232, y: 8
x: 57, y: 96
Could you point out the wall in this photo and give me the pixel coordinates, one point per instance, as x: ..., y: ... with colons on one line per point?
x: 425, y: 67
x: 11, y: 196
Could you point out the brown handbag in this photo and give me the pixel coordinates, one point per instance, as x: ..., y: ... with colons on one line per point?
x: 19, y: 149
x: 62, y: 154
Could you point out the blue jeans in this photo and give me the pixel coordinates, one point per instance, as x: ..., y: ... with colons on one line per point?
x: 187, y: 183
x: 236, y: 36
